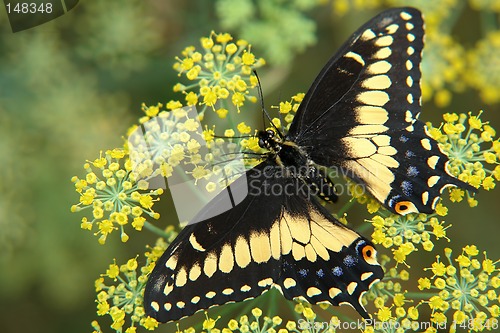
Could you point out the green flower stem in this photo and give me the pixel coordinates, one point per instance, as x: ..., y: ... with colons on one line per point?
x: 346, y: 207
x: 160, y: 232
x: 344, y: 318
x: 419, y: 295
x: 363, y: 228
x: 230, y: 120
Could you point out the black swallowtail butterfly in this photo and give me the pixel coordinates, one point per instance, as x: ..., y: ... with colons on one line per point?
x: 360, y: 115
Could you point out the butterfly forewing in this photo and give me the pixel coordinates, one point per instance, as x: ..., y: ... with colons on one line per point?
x: 373, y: 59
x: 361, y: 114
x: 288, y: 242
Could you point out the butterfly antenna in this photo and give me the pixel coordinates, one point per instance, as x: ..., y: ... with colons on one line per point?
x: 265, y: 114
x: 233, y: 137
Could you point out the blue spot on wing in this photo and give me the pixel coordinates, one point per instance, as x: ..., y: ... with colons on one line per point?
x: 407, y: 188
x: 409, y: 154
x: 412, y: 171
x: 337, y: 271
x: 350, y: 261
x: 303, y: 272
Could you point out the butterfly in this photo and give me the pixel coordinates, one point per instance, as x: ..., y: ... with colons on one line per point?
x: 359, y: 115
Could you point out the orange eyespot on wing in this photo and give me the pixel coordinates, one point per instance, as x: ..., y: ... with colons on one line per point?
x: 405, y: 207
x: 370, y: 255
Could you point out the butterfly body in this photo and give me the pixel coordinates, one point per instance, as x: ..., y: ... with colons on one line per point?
x: 360, y: 115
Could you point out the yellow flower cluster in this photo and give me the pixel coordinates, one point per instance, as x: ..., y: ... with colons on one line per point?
x: 394, y: 305
x: 257, y: 324
x: 125, y: 299
x: 167, y: 140
x: 220, y: 75
x: 114, y: 196
x: 472, y: 148
x: 467, y: 288
x: 403, y: 233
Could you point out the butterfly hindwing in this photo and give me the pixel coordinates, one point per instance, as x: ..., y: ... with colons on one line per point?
x: 285, y: 241
x: 361, y: 114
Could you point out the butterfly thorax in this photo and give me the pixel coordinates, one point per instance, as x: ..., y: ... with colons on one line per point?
x: 287, y: 154
x: 293, y: 162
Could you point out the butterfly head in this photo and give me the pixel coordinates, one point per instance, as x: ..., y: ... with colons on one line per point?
x: 267, y: 140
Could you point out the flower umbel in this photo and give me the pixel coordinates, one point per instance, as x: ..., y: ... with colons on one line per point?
x: 466, y: 288
x: 111, y: 192
x: 122, y: 298
x: 472, y: 148
x: 403, y: 233
x: 220, y: 75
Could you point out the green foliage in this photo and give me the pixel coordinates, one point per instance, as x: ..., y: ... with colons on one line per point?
x: 278, y: 29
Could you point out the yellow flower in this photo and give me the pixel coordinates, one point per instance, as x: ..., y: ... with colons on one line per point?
x: 243, y: 128
x: 488, y: 183
x: 456, y: 195
x: 489, y: 266
x: 399, y: 299
x: 256, y: 312
x: 150, y: 323
x: 131, y: 264
x: 438, y: 317
x: 384, y: 313
x: 209, y: 323
x: 113, y: 271
x: 102, y: 308
x: 291, y: 325
x: 438, y: 268
x: 309, y: 313
x: 248, y: 58
x: 413, y: 313
x: 285, y: 107
x: 232, y: 324
x: 238, y: 99
x: 441, y: 210
x: 222, y: 112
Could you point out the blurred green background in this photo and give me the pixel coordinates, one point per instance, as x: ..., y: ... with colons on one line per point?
x: 71, y: 87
